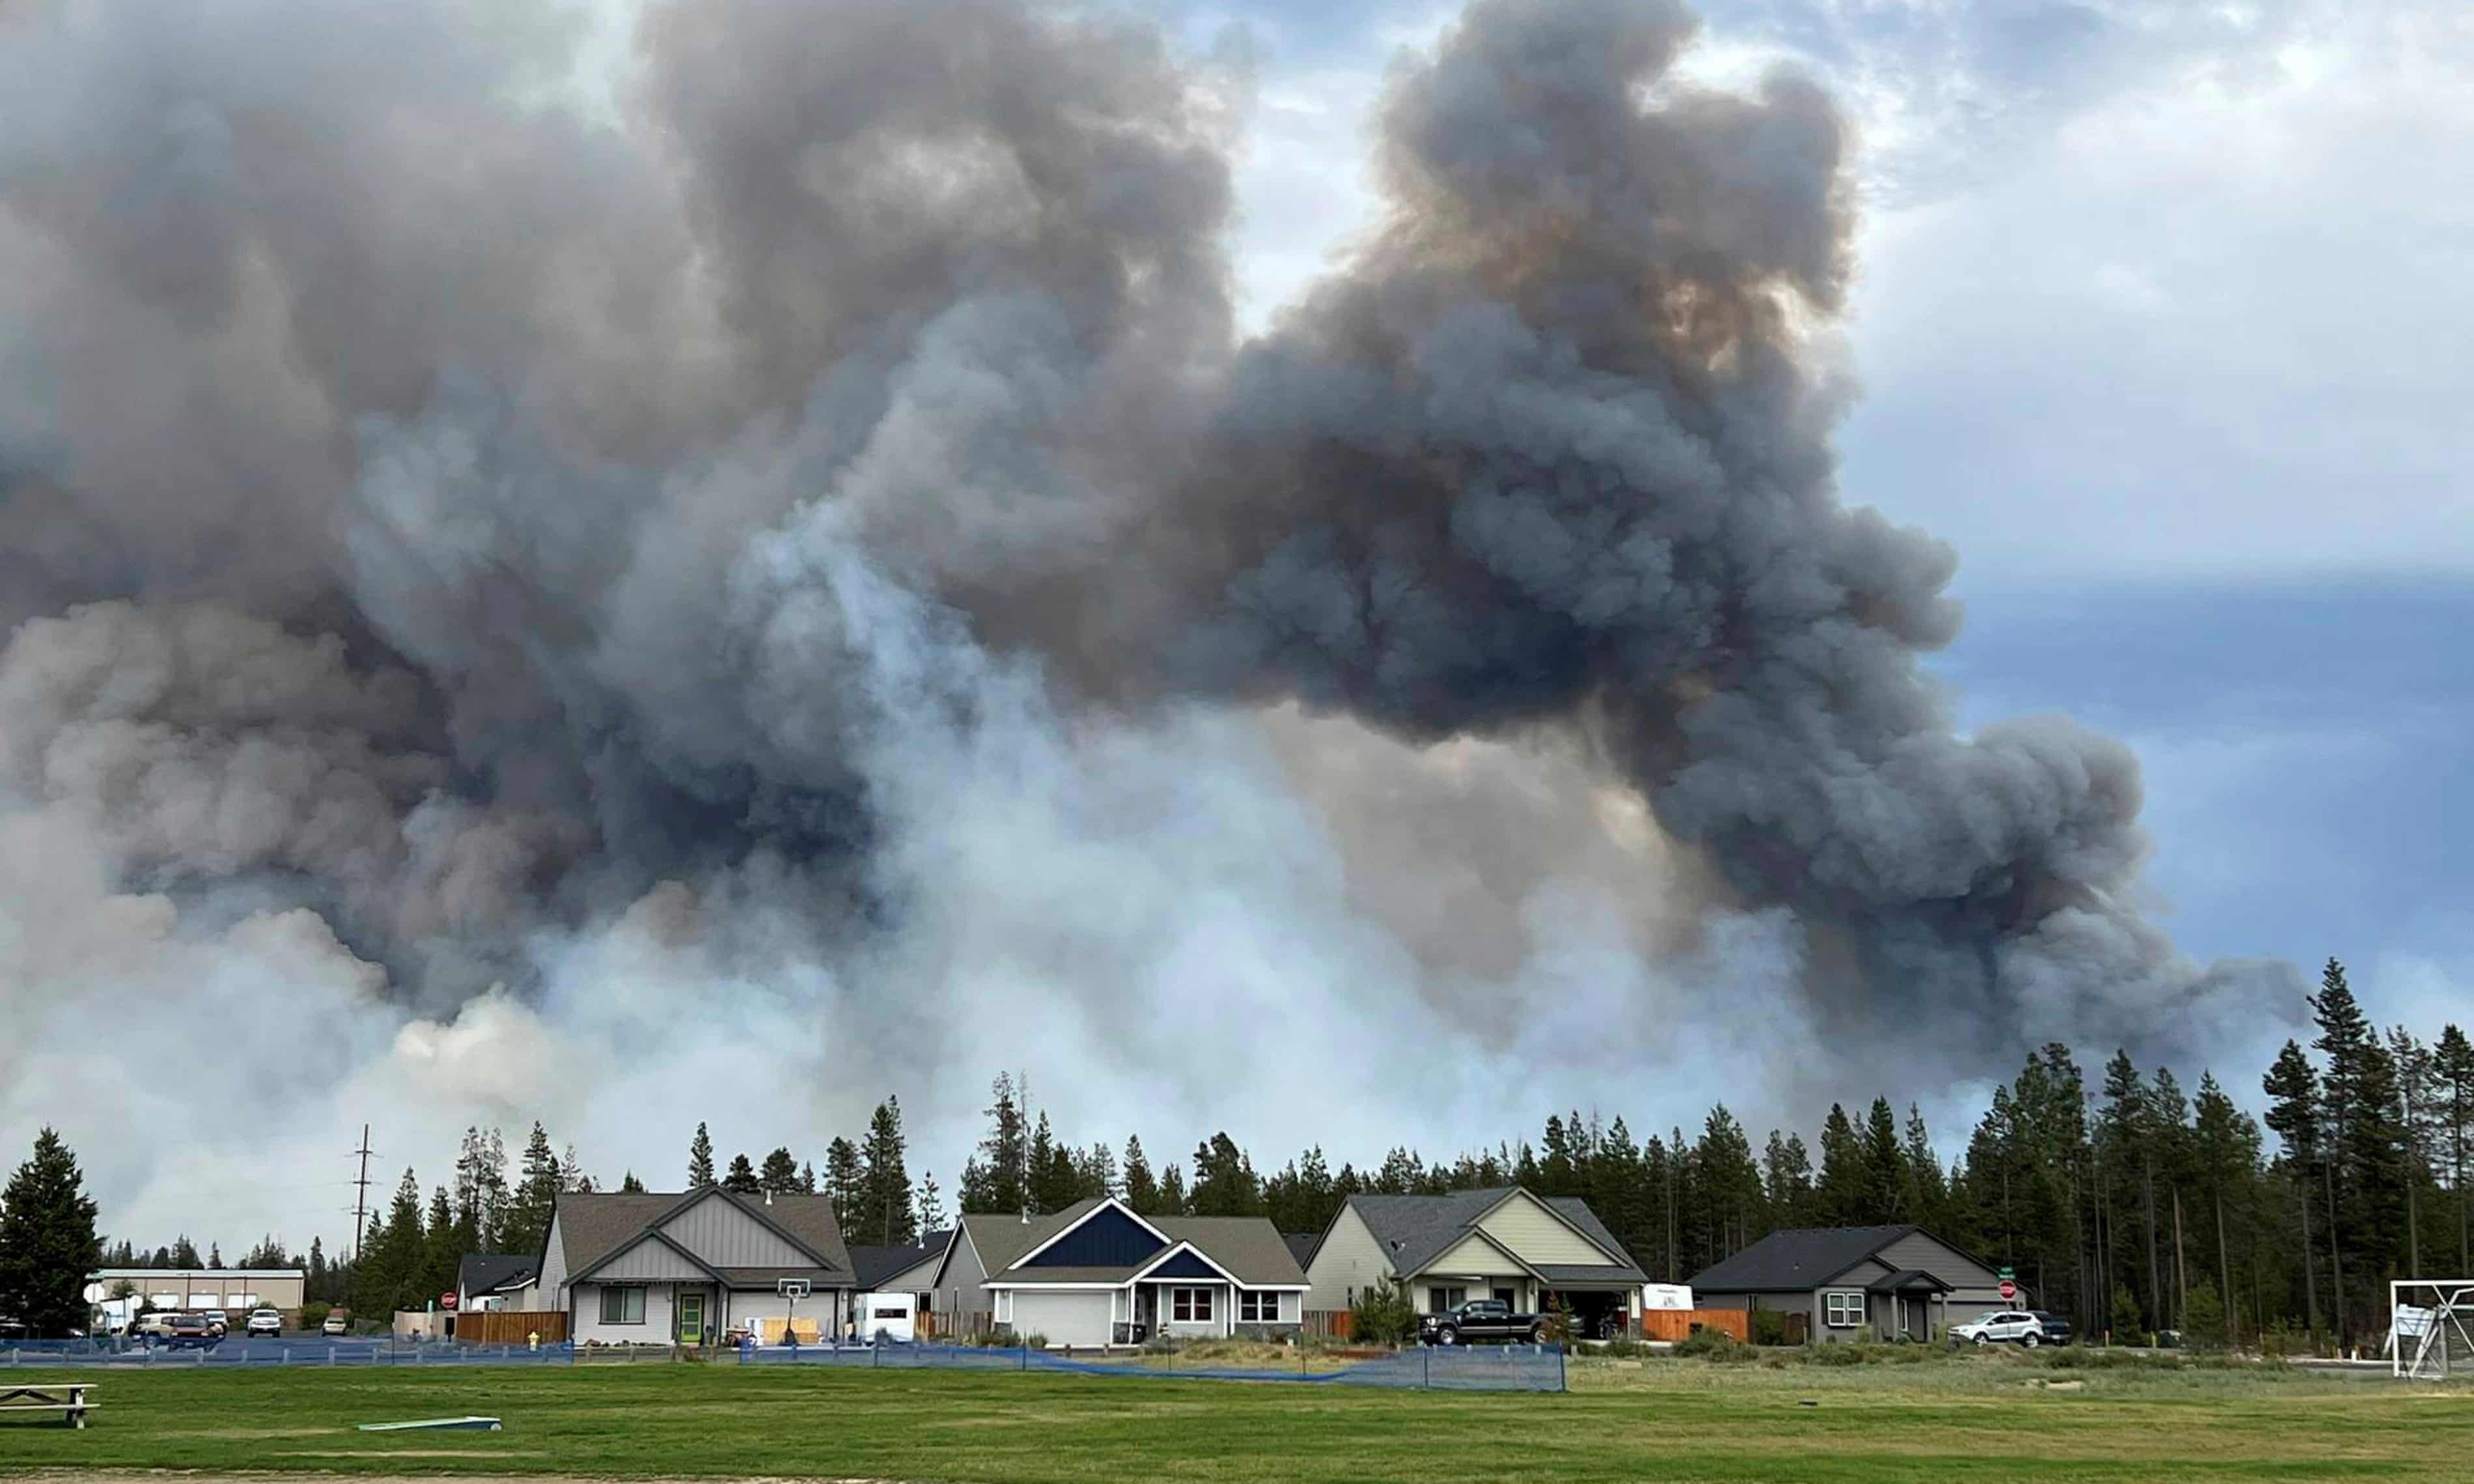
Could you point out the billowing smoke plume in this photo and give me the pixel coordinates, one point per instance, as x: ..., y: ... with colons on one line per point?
x: 524, y: 605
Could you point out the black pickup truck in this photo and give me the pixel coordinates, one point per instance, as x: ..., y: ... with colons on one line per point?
x: 1480, y: 1319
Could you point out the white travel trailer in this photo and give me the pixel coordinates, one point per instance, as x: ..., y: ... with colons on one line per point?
x: 894, y: 1316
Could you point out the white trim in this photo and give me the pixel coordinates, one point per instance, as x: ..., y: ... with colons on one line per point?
x: 1076, y: 1224
x: 1143, y: 1274
x: 1863, y: 1308
x: 994, y: 1286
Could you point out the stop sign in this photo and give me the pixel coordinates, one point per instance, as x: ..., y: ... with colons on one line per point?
x: 447, y: 1300
x: 2010, y: 1290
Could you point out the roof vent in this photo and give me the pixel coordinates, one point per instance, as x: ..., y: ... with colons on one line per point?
x: 768, y: 1195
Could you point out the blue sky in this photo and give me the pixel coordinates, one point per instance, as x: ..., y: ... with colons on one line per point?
x: 2162, y: 321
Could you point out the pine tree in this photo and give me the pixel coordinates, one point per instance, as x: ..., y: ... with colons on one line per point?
x: 807, y: 1177
x: 742, y: 1178
x: 536, y: 1196
x: 629, y: 1184
x: 2294, y: 1113
x: 1840, y: 1193
x: 1040, y: 1171
x: 1142, y: 1191
x: 442, y: 1247
x: 1224, y: 1183
x: 389, y: 1272
x: 184, y: 1256
x: 1927, y: 1185
x: 932, y: 1215
x: 214, y: 1257
x: 888, y: 1216
x: 700, y: 1159
x: 48, y: 1242
x: 997, y: 1180
x: 843, y: 1182
x: 780, y: 1173
x: 571, y: 1173
x: 1885, y: 1166
x: 1171, y: 1200
x: 2454, y: 1063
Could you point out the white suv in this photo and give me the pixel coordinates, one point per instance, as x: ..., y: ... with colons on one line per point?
x: 266, y: 1322
x: 2005, y: 1325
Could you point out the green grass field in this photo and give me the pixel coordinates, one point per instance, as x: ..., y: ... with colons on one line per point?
x: 1952, y: 1419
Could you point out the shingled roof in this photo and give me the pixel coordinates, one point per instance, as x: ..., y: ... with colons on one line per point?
x: 593, y: 1223
x: 489, y: 1272
x: 1797, y: 1259
x: 1415, y: 1229
x: 1248, y: 1247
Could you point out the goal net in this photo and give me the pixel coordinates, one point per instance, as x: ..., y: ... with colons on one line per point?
x: 2431, y: 1328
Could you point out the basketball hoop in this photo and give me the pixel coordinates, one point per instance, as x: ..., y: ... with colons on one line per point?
x: 793, y: 1290
x: 791, y: 1287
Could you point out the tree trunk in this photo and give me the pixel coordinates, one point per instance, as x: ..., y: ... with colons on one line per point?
x: 2155, y: 1265
x: 2181, y: 1271
x: 2336, y: 1252
x: 2225, y: 1268
x: 2310, y: 1261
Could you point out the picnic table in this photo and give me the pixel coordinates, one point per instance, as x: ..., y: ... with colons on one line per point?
x: 66, y: 1397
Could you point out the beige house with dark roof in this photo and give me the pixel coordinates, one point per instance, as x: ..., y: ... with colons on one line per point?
x: 634, y: 1267
x: 1532, y: 1252
x: 1096, y: 1274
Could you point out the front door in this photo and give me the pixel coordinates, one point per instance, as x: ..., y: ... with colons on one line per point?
x: 691, y: 1319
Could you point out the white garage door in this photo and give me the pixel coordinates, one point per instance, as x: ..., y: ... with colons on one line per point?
x: 1078, y: 1318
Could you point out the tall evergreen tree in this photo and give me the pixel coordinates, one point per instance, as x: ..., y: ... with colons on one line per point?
x: 742, y: 1178
x: 1926, y: 1185
x: 1885, y: 1166
x: 1171, y: 1200
x: 629, y: 1184
x: 889, y: 1217
x: 535, y: 1197
x: 932, y: 1215
x: 389, y: 1272
x: 998, y: 1178
x: 1224, y: 1183
x: 2453, y: 1060
x: 700, y: 1173
x: 843, y: 1184
x: 2294, y: 1113
x: 183, y: 1255
x: 1840, y: 1191
x: 48, y: 1242
x: 1142, y: 1191
x: 780, y: 1174
x: 442, y: 1249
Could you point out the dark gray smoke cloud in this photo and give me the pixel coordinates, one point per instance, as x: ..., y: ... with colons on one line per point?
x: 805, y: 569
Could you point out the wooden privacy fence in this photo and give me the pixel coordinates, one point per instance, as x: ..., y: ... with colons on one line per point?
x: 1327, y: 1324
x: 1677, y: 1324
x: 510, y: 1326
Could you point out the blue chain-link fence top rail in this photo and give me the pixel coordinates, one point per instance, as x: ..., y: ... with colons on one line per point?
x: 1458, y: 1368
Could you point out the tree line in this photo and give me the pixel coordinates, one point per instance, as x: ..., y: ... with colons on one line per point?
x: 2130, y: 1204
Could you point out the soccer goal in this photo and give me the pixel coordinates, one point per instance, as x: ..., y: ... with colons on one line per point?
x: 2431, y: 1328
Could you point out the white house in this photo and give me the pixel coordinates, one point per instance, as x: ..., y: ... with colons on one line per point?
x: 1535, y: 1253
x: 1096, y: 1274
x: 638, y: 1268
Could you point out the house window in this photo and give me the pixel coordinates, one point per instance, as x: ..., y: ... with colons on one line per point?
x: 1443, y: 1300
x: 622, y: 1305
x: 1258, y: 1308
x: 1842, y: 1311
x: 1189, y: 1306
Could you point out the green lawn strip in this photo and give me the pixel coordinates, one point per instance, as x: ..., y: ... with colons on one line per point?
x: 685, y: 1421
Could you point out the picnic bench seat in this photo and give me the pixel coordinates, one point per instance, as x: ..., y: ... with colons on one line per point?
x: 66, y: 1397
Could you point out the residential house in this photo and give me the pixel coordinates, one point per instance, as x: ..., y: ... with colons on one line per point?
x: 636, y: 1267
x: 487, y: 1281
x: 1096, y: 1274
x: 1839, y: 1284
x: 1534, y: 1252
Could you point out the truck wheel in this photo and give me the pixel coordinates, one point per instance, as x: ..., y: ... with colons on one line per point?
x: 1447, y: 1335
x: 1538, y: 1334
x: 2030, y: 1339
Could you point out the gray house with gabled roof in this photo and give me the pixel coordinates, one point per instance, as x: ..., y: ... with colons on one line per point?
x: 633, y: 1267
x: 1840, y: 1283
x: 1532, y: 1252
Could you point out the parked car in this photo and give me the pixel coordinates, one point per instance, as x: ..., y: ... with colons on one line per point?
x: 192, y: 1332
x: 2057, y: 1329
x: 336, y: 1324
x: 157, y: 1325
x: 2003, y: 1325
x: 218, y: 1321
x: 1480, y: 1319
x: 265, y: 1321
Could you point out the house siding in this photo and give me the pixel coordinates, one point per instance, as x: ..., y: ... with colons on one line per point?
x: 912, y: 1280
x: 1350, y: 1261
x: 586, y: 1326
x: 1537, y: 1235
x: 553, y: 1272
x: 960, y: 1295
x: 1471, y: 1256
x: 650, y: 1261
x: 828, y: 1307
x: 728, y: 1237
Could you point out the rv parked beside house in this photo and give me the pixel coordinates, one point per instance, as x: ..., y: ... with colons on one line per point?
x: 630, y: 1267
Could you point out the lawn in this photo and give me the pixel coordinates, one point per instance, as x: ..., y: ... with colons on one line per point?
x: 1662, y: 1419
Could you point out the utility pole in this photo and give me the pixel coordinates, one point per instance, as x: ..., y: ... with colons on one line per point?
x: 361, y: 1194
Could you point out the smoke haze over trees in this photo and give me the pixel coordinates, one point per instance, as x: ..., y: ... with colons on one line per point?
x: 795, y: 558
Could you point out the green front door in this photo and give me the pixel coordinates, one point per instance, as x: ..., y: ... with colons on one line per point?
x: 691, y: 1319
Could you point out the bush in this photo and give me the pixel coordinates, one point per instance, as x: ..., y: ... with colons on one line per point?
x: 1622, y: 1349
x: 1035, y: 1341
x: 1715, y: 1345
x: 313, y: 1315
x: 1382, y: 1315
x: 1769, y: 1327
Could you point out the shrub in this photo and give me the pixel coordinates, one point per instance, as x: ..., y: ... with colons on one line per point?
x: 1835, y: 1355
x: 313, y: 1315
x: 1622, y: 1349
x: 1715, y: 1345
x: 1035, y: 1341
x: 1769, y: 1327
x: 1382, y: 1315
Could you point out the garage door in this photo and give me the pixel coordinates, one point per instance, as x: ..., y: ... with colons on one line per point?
x: 1079, y: 1318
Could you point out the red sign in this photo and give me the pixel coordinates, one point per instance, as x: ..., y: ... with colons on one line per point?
x: 2010, y: 1290
x: 447, y: 1300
